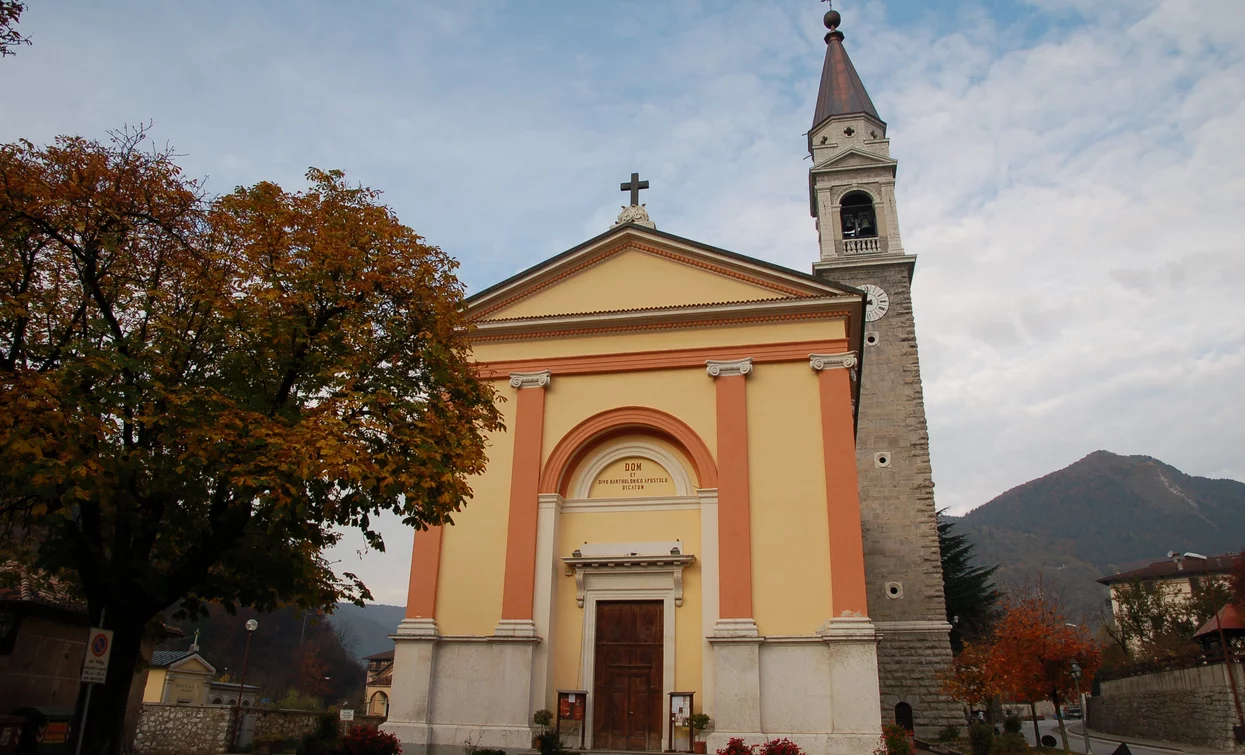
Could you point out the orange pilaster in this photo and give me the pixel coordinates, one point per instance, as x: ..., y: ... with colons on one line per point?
x: 847, y: 558
x: 734, y: 517
x: 421, y: 593
x: 520, y: 582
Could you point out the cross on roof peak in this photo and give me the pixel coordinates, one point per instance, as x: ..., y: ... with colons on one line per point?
x: 634, y: 186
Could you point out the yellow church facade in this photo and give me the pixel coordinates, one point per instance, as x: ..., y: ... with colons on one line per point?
x: 673, y: 507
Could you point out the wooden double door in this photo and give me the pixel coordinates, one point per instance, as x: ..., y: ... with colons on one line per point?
x: 627, y: 681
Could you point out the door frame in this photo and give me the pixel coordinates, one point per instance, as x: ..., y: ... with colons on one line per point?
x: 626, y: 587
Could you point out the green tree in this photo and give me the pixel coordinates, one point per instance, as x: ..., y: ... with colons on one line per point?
x: 970, y: 592
x: 197, y: 394
x: 1152, y: 618
x: 10, y: 14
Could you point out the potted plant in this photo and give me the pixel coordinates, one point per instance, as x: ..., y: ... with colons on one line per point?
x: 542, y: 718
x: 699, y: 722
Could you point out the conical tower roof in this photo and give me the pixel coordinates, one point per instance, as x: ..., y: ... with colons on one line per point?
x: 841, y: 92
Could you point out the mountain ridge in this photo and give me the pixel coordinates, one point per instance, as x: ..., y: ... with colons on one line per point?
x: 1100, y: 515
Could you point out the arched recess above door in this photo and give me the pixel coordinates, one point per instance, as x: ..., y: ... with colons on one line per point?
x: 598, y: 428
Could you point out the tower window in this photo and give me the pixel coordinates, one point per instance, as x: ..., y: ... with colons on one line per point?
x: 859, y: 219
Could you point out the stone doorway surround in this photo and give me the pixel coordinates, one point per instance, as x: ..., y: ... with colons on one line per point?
x: 628, y: 572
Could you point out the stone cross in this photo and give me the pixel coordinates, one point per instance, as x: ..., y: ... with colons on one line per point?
x: 634, y: 186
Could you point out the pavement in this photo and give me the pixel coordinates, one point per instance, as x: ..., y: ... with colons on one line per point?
x: 1105, y: 744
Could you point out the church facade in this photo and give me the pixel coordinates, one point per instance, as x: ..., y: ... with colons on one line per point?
x: 714, y: 479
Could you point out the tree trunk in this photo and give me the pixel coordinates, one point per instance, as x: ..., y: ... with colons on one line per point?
x: 1037, y: 735
x: 1063, y: 731
x: 103, y: 732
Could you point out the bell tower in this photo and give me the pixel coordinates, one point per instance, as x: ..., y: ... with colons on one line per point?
x: 852, y: 197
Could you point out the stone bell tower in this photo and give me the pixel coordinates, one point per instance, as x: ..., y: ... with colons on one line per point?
x: 852, y: 194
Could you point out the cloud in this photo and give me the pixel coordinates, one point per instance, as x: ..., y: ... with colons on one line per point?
x: 1069, y: 173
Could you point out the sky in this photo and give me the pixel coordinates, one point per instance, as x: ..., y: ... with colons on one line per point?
x: 1071, y: 172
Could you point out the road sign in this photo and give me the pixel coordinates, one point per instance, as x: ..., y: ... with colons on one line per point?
x: 98, y: 650
x: 347, y: 714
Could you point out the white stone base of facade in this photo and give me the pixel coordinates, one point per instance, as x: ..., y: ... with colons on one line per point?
x: 820, y: 691
x: 450, y: 690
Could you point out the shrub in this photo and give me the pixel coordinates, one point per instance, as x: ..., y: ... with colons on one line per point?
x: 981, y: 739
x: 542, y: 717
x: 781, y: 747
x: 736, y: 746
x: 1011, y: 743
x: 894, y: 741
x: 950, y: 733
x: 548, y: 742
x: 487, y: 751
x: 362, y: 740
x: 1012, y: 724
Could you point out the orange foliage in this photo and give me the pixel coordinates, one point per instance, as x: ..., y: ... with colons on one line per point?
x: 1034, y: 647
x: 974, y: 675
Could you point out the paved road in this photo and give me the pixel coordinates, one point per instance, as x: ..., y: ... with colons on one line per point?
x: 1099, y: 746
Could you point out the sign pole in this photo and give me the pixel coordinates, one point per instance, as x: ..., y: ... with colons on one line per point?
x: 86, y: 705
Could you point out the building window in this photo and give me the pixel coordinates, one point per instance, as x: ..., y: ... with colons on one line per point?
x: 859, y: 219
x: 217, y: 701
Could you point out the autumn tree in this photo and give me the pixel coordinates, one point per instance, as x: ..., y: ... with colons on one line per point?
x: 973, y: 676
x: 10, y: 14
x: 1035, y: 647
x: 197, y: 393
x: 970, y: 592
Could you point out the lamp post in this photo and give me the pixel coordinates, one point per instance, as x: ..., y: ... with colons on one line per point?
x: 251, y: 626
x: 1076, y: 676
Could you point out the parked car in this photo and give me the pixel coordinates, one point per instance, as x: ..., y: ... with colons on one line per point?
x: 1072, y: 712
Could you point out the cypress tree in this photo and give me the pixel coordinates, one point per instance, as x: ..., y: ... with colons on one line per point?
x: 970, y: 591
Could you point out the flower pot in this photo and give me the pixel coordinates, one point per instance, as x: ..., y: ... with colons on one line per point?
x: 699, y: 747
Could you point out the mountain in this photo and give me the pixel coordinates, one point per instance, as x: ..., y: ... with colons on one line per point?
x: 366, y: 630
x: 1101, y: 515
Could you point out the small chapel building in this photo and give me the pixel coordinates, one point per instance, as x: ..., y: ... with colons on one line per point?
x: 705, y: 486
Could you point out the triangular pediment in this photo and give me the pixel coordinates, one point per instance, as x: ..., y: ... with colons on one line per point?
x: 637, y: 268
x: 193, y: 664
x: 855, y: 158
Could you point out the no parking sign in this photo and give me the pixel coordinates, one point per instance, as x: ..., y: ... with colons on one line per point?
x: 98, y: 649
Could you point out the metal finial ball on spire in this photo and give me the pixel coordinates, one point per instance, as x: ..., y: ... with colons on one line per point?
x: 832, y: 19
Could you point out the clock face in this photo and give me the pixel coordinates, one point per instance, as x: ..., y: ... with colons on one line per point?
x: 876, y: 302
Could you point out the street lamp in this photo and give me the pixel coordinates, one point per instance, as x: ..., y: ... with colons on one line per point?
x: 1076, y: 676
x: 251, y: 626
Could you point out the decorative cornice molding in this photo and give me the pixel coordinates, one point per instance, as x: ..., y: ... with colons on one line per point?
x: 523, y: 628
x: 416, y: 629
x: 668, y: 359
x: 845, y: 360
x: 665, y: 318
x: 530, y: 379
x: 672, y: 564
x: 728, y: 367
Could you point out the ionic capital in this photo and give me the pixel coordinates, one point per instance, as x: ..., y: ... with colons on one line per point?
x: 530, y: 379
x: 819, y: 362
x: 728, y: 367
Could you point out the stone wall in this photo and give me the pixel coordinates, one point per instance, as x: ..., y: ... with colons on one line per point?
x: 165, y: 729
x: 1187, y: 706
x: 898, y: 523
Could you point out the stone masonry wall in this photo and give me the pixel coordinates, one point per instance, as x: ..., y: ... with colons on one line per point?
x: 1186, y: 706
x: 165, y: 729
x: 907, y: 664
x: 897, y: 506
